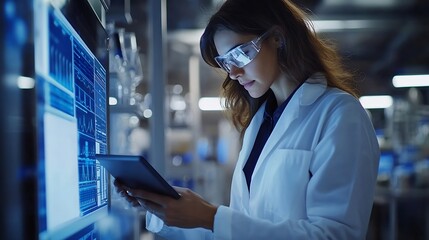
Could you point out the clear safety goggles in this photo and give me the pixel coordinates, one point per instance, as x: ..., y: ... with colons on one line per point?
x: 241, y: 55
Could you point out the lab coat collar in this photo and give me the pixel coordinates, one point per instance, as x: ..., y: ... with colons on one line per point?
x: 306, y: 95
x: 312, y: 89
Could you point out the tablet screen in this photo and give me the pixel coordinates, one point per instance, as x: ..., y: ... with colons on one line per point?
x: 136, y: 172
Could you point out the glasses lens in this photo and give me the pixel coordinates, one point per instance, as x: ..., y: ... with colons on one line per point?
x: 221, y: 61
x: 244, y: 54
x: 239, y: 56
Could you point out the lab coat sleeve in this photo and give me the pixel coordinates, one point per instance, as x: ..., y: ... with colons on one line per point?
x: 157, y: 226
x: 339, y: 193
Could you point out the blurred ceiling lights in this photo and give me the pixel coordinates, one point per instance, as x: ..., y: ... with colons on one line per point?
x: 400, y: 81
x: 375, y: 102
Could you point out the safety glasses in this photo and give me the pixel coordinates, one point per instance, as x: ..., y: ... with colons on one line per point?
x: 241, y: 55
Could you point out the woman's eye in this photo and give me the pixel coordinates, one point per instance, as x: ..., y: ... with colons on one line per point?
x: 228, y: 63
x: 245, y: 51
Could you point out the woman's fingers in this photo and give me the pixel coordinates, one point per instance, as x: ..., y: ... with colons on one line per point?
x: 152, y: 202
x: 152, y: 207
x: 189, y: 211
x: 122, y: 191
x: 120, y: 188
x: 149, y: 196
x: 140, y: 198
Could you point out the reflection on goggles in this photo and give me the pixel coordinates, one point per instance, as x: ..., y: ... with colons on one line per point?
x: 241, y: 55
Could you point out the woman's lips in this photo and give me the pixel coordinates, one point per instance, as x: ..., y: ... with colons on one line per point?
x: 247, y: 85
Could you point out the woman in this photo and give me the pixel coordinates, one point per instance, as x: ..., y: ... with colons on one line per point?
x: 309, y: 157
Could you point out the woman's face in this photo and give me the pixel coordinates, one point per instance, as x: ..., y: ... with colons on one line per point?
x: 258, y: 75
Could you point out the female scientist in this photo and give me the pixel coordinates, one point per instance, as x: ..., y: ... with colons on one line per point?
x: 308, y: 164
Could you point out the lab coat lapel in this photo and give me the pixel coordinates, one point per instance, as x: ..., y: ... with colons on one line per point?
x: 289, y: 114
x: 250, y: 136
x: 307, y: 94
x: 248, y: 141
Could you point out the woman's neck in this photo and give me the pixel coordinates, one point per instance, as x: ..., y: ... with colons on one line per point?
x: 282, y: 88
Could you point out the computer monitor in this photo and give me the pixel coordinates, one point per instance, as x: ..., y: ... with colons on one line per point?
x: 71, y: 68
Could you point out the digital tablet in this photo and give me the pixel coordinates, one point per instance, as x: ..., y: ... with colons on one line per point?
x: 136, y: 172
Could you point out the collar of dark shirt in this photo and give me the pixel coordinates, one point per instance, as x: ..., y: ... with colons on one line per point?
x: 272, y: 110
x: 270, y: 106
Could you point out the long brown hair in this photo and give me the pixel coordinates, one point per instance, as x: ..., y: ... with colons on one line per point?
x: 302, y: 55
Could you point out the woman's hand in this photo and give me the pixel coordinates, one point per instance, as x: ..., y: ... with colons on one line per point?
x: 190, y: 211
x: 122, y: 190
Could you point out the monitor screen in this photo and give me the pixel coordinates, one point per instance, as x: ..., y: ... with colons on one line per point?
x: 71, y: 77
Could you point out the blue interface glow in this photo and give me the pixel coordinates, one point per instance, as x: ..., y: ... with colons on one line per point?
x: 72, y: 118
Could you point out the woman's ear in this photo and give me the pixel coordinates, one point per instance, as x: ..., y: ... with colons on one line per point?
x: 279, y: 38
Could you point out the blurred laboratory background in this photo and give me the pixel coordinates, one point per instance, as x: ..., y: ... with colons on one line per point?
x: 163, y: 103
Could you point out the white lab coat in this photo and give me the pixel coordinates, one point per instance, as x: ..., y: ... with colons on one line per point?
x: 314, y: 179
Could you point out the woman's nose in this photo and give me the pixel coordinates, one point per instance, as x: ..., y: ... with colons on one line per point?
x: 235, y: 72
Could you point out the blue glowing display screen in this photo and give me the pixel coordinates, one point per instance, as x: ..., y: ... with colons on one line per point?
x: 72, y: 122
